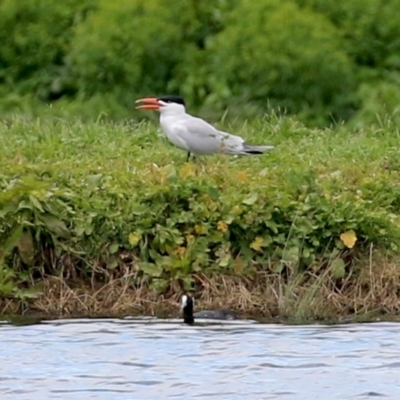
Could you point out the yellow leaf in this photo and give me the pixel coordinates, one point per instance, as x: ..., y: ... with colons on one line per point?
x: 349, y: 238
x: 238, y: 267
x: 242, y: 177
x: 257, y: 244
x: 200, y: 229
x: 222, y: 226
x: 180, y: 251
x: 237, y: 210
x: 134, y: 239
x: 189, y: 238
x: 187, y: 171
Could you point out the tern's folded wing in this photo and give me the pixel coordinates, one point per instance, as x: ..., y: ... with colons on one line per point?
x: 203, y: 138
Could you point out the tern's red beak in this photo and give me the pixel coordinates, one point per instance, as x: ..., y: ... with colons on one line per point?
x: 150, y: 103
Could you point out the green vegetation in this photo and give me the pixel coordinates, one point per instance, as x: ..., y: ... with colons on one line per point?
x: 324, y: 61
x: 97, y: 203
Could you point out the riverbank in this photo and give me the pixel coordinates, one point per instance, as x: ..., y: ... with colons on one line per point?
x: 371, y: 293
x: 109, y: 219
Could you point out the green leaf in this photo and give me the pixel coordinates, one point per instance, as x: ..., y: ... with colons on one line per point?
x: 251, y: 199
x: 151, y: 269
x: 187, y: 283
x: 55, y: 225
x: 291, y: 254
x: 11, y: 242
x: 10, y: 208
x: 338, y: 269
x: 94, y: 180
x: 160, y: 285
x: 6, y: 289
x: 113, y: 248
x: 26, y: 248
x: 24, y: 205
x: 224, y: 260
x: 28, y: 293
x: 213, y: 192
x: 36, y: 203
x: 279, y: 267
x: 113, y: 264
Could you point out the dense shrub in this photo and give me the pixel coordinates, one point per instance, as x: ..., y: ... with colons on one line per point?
x: 319, y: 59
x: 380, y: 103
x: 371, y: 37
x: 275, y: 51
x: 371, y: 29
x: 130, y: 46
x: 34, y: 37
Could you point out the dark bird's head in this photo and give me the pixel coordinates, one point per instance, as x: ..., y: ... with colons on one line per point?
x: 172, y: 104
x: 187, y: 304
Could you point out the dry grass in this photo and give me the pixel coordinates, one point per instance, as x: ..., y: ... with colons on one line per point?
x: 371, y: 289
x: 63, y: 298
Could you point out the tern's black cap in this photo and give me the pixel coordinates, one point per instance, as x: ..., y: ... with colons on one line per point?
x: 172, y: 99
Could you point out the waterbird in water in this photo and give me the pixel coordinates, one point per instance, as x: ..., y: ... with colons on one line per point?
x: 193, y: 134
x: 187, y: 305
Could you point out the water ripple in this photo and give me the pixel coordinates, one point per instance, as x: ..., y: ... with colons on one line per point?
x: 149, y: 358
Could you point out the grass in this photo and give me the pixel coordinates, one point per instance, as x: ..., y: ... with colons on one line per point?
x: 108, y: 219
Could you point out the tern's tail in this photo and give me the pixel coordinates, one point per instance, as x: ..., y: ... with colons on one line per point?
x: 252, y: 149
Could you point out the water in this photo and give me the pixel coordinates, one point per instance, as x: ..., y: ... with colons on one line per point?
x: 155, y: 359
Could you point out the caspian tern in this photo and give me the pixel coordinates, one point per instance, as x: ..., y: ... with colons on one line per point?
x: 195, y: 135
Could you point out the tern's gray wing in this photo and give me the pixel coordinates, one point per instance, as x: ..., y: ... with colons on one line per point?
x: 203, y: 138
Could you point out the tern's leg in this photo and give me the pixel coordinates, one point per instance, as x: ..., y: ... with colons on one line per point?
x: 189, y: 154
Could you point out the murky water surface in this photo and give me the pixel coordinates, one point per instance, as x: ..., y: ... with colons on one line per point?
x: 155, y: 359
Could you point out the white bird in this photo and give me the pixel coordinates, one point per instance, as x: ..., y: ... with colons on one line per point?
x: 195, y: 135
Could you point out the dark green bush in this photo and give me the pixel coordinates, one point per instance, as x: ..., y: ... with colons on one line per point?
x: 131, y: 47
x: 371, y: 29
x: 380, y: 103
x: 371, y: 37
x: 34, y: 37
x: 274, y: 51
x: 180, y: 224
x: 298, y: 55
x: 125, y: 47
